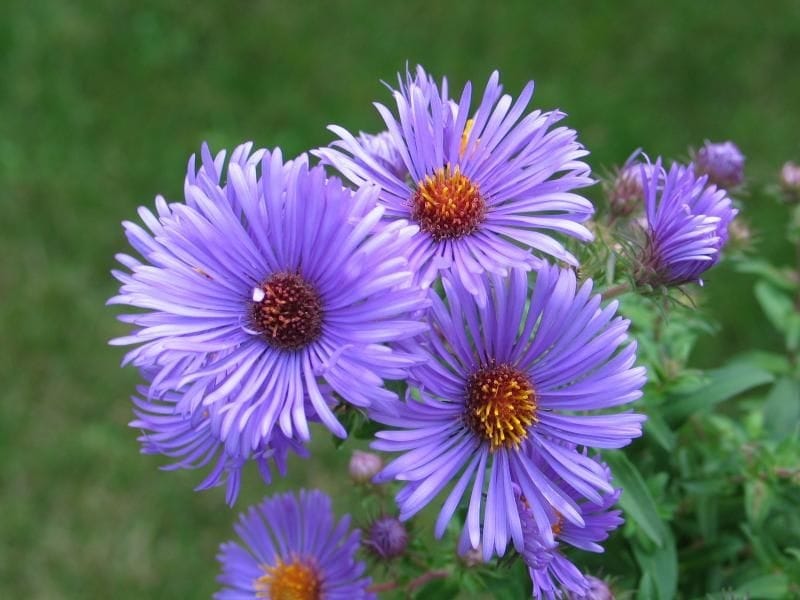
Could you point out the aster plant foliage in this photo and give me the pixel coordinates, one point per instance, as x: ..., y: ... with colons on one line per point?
x: 449, y: 304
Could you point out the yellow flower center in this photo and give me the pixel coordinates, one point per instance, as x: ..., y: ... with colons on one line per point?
x: 296, y: 580
x: 447, y: 205
x: 501, y: 405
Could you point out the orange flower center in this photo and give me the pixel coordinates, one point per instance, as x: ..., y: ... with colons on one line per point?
x: 447, y: 205
x: 501, y: 405
x: 289, y: 581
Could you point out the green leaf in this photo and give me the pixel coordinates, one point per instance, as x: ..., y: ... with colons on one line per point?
x: 782, y: 408
x: 636, y: 500
x: 659, y: 569
x: 757, y: 501
x: 658, y: 428
x: 781, y: 278
x: 768, y: 586
x: 776, y: 304
x: 720, y: 385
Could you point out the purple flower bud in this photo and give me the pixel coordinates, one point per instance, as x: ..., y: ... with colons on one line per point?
x: 626, y: 193
x: 598, y: 590
x: 723, y: 162
x: 387, y: 538
x: 790, y: 181
x: 364, y: 466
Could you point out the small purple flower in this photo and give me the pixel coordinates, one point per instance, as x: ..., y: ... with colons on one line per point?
x: 276, y: 289
x: 504, y: 390
x: 687, y: 225
x: 723, y: 162
x: 484, y: 186
x: 386, y: 537
x: 190, y: 439
x: 291, y: 548
x: 551, y: 572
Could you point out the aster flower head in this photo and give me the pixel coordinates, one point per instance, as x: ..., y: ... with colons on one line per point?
x: 191, y: 440
x: 291, y: 548
x: 687, y: 225
x: 723, y: 162
x: 280, y: 290
x: 498, y: 397
x: 551, y: 572
x: 485, y: 185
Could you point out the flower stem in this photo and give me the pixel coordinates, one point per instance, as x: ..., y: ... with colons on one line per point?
x: 616, y: 290
x: 411, y: 585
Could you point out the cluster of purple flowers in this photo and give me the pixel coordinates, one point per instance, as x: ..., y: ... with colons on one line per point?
x: 276, y: 294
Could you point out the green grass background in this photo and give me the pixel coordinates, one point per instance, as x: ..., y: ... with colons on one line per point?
x: 101, y: 103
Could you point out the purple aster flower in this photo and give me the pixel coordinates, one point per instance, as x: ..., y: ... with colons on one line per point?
x: 551, y: 572
x: 292, y: 549
x: 191, y: 440
x: 277, y: 289
x: 723, y: 162
x: 484, y: 186
x: 687, y: 225
x: 504, y: 391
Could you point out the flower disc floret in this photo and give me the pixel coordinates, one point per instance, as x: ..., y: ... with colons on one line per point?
x: 287, y: 310
x: 447, y: 205
x: 500, y: 406
x: 295, y: 580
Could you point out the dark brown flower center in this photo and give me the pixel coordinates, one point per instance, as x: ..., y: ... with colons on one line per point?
x: 287, y: 311
x: 289, y: 581
x: 501, y: 405
x: 447, y: 205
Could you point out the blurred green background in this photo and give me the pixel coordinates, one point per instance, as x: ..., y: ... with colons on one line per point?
x: 101, y: 103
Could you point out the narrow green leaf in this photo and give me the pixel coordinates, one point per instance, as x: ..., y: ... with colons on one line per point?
x: 636, y: 500
x: 659, y: 568
x: 658, y: 428
x: 776, y: 304
x: 782, y: 408
x: 757, y: 501
x: 720, y: 385
x: 768, y: 586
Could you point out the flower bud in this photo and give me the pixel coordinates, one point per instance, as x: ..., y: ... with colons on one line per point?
x: 364, y: 466
x: 598, y: 590
x: 625, y: 194
x: 387, y: 538
x: 790, y: 181
x: 723, y: 162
